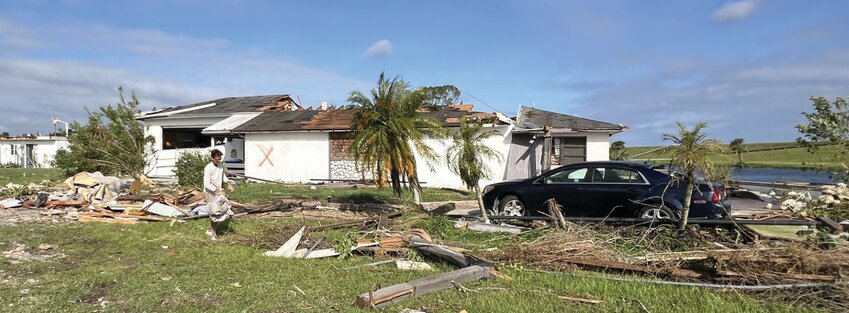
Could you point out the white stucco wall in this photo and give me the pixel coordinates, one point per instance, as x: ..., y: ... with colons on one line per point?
x: 598, y: 146
x: 44, y: 151
x: 294, y: 157
x: 441, y: 176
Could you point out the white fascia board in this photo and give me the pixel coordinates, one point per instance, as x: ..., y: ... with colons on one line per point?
x: 178, y: 111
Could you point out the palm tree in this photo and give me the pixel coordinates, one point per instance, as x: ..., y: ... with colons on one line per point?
x: 617, y: 150
x: 386, y: 129
x: 690, y: 153
x: 736, y: 146
x: 467, y: 156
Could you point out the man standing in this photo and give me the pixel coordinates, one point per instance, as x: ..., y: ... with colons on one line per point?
x: 216, y: 199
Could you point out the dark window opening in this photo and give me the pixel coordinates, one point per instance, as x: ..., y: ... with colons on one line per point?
x: 180, y: 138
x: 568, y: 150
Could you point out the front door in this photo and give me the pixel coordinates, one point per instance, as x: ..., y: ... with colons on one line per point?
x: 29, y: 157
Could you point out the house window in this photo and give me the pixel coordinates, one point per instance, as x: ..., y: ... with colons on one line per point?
x: 180, y: 138
x: 568, y: 150
x: 14, y: 149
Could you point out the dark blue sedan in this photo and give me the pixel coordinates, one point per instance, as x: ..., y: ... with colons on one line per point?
x: 599, y: 189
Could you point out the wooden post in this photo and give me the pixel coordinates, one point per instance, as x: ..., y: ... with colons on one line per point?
x: 422, y: 286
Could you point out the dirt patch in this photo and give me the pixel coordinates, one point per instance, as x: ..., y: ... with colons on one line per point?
x: 18, y: 215
x: 21, y: 253
x: 96, y: 295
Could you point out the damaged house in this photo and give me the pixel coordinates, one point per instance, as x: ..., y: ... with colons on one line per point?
x: 32, y: 151
x: 204, y: 126
x: 273, y: 138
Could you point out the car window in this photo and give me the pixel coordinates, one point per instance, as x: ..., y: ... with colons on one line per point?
x: 577, y: 175
x: 616, y: 175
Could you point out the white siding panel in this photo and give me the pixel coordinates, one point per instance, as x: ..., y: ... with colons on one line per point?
x: 598, y: 146
x: 293, y: 157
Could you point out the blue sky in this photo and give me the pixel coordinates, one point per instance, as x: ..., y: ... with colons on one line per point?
x: 746, y: 68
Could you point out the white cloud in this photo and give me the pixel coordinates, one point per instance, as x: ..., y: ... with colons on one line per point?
x: 163, y: 69
x: 760, y: 101
x: 34, y: 90
x: 13, y: 36
x: 380, y: 49
x: 736, y: 10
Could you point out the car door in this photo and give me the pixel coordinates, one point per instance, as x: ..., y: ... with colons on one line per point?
x: 566, y: 186
x: 611, y: 190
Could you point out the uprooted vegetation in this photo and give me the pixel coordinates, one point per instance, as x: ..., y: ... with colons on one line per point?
x: 715, y: 257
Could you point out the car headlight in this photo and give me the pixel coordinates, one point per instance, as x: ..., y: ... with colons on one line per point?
x: 488, y: 188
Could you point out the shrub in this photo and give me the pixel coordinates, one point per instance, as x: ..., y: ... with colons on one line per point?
x: 189, y: 169
x: 112, y: 142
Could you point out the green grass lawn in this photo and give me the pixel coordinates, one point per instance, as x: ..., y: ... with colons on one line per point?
x: 793, y: 157
x: 157, y: 267
x: 258, y: 192
x: 24, y: 176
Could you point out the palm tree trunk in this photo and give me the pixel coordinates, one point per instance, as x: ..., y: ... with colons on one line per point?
x: 688, y: 197
x: 417, y: 197
x: 480, y: 202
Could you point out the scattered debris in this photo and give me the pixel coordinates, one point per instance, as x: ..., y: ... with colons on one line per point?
x: 9, y: 203
x: 162, y: 209
x: 581, y: 300
x: 287, y: 250
x: 412, y: 265
x: 485, y: 227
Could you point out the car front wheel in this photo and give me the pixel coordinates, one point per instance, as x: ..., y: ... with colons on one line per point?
x: 656, y: 213
x: 511, y: 206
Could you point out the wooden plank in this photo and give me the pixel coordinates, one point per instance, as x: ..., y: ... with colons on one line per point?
x: 64, y: 203
x: 87, y: 219
x: 423, y: 286
x: 605, y: 264
x: 113, y: 215
x: 385, y: 296
x: 830, y: 224
x: 489, y: 228
x: 447, y: 280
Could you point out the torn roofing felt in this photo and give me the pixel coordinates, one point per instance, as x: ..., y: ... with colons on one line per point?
x: 340, y: 119
x: 229, y: 105
x: 532, y: 118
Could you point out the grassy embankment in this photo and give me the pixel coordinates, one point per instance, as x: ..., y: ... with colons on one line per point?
x: 785, y: 155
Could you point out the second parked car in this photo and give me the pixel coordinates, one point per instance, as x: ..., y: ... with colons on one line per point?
x: 598, y: 189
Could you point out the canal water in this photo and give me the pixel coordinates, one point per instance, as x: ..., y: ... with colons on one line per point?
x: 781, y: 175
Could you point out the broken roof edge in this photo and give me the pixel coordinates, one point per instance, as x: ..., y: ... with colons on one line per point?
x: 523, y: 108
x: 169, y: 113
